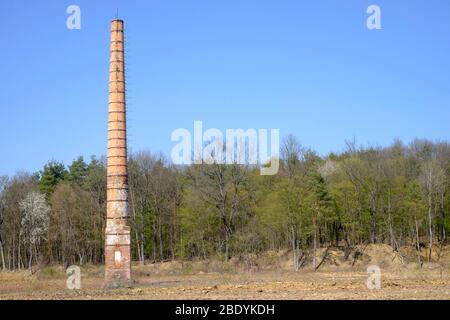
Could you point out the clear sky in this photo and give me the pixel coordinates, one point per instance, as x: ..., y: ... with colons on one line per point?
x: 310, y: 68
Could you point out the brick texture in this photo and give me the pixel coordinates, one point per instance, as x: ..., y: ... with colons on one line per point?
x: 117, y: 233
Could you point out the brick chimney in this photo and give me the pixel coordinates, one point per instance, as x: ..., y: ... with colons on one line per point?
x: 117, y: 233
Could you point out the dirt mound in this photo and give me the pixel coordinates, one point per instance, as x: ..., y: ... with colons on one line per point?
x: 381, y: 255
x: 327, y: 259
x: 359, y: 257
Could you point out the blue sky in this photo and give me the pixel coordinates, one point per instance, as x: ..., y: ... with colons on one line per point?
x: 310, y: 68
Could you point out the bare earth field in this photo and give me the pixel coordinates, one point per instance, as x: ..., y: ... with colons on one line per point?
x: 426, y: 284
x: 178, y: 280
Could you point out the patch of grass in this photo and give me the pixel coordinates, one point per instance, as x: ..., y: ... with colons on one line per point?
x: 90, y: 270
x: 51, y: 272
x: 9, y: 276
x: 187, y: 268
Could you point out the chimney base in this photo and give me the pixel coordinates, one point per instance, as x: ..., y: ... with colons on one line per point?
x: 117, y: 256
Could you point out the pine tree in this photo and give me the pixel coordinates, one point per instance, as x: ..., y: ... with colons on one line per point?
x: 52, y: 174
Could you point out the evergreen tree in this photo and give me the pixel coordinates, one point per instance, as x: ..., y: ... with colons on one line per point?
x: 53, y: 173
x: 78, y: 171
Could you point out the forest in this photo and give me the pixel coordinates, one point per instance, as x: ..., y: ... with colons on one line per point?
x: 396, y: 194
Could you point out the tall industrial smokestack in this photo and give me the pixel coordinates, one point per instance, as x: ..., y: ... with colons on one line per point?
x: 117, y: 233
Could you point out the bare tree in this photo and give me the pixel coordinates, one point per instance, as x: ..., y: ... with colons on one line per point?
x: 224, y: 187
x: 155, y: 197
x: 432, y: 181
x: 3, y: 182
x: 72, y: 233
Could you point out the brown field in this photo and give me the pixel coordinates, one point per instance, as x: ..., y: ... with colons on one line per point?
x: 267, y: 277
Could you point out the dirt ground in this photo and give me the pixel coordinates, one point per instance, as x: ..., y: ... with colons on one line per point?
x: 269, y: 277
x: 425, y: 284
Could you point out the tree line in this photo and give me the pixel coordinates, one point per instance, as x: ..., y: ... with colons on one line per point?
x: 398, y: 195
